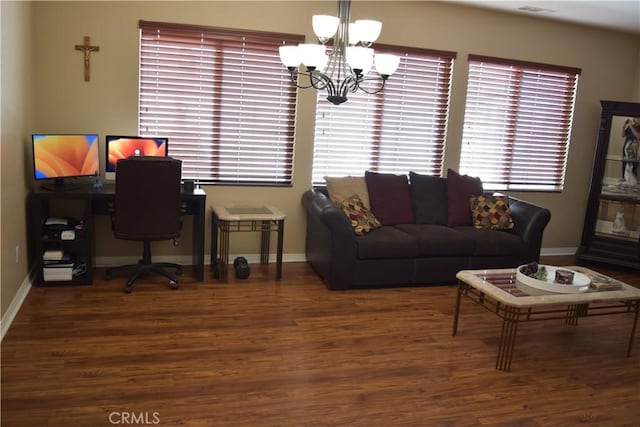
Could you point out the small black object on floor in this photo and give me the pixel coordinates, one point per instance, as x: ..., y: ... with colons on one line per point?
x: 241, y: 266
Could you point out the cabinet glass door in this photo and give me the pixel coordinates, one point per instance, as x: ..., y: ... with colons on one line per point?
x: 619, y: 210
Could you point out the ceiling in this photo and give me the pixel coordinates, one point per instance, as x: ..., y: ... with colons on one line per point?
x: 621, y: 15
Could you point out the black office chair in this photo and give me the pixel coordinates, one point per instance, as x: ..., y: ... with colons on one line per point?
x: 147, y: 208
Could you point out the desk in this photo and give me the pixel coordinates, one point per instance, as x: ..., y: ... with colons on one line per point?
x: 226, y: 219
x: 99, y: 202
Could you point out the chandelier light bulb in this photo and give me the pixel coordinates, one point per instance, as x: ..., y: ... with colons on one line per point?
x: 312, y: 55
x: 290, y: 56
x: 354, y: 34
x: 386, y: 64
x: 325, y: 26
x: 360, y: 58
x: 368, y: 30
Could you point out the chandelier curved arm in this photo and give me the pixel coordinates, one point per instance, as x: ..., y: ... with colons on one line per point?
x: 382, y: 79
x: 295, y: 78
x: 317, y: 80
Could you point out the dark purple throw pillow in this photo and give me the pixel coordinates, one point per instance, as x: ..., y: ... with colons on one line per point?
x: 460, y: 189
x: 390, y: 198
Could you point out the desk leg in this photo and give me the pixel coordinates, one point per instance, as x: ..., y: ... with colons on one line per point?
x: 633, y: 327
x: 280, y: 247
x: 508, y: 338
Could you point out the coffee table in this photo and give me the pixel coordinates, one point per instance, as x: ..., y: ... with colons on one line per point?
x: 496, y: 291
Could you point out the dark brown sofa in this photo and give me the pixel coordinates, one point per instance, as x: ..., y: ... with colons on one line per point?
x: 413, y: 254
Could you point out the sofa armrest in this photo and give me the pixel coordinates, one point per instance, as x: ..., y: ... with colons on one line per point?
x: 529, y: 222
x: 318, y: 204
x: 330, y: 241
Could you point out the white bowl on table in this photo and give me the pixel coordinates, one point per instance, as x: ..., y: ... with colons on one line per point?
x: 534, y: 286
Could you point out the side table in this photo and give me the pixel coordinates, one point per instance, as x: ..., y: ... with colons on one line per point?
x: 226, y: 219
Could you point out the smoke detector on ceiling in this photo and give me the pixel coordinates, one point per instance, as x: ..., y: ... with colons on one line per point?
x: 534, y: 9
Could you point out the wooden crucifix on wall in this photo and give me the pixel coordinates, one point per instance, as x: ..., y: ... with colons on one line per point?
x: 86, y: 48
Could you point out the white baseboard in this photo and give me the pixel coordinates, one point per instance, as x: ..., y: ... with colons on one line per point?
x: 15, y: 305
x: 558, y: 251
x: 186, y: 260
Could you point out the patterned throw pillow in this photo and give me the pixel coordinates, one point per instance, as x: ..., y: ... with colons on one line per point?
x: 362, y: 220
x: 491, y: 213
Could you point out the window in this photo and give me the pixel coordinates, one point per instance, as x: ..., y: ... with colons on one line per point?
x: 223, y: 99
x: 398, y: 130
x: 517, y: 123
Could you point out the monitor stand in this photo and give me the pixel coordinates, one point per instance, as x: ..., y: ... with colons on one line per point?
x: 59, y: 186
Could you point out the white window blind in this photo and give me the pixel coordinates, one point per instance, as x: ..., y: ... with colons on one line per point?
x: 223, y: 99
x: 398, y: 130
x: 517, y: 123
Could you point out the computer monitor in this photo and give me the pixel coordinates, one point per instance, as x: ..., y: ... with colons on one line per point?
x: 57, y: 157
x: 120, y: 147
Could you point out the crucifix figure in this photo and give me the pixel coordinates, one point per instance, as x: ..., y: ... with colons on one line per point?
x: 86, y: 48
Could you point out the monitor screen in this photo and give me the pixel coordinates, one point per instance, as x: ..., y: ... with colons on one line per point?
x: 121, y: 147
x: 57, y: 156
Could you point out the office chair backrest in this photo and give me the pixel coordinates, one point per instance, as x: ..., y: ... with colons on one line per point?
x: 147, y: 202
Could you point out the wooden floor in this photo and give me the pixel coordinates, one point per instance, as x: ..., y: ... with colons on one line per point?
x: 262, y: 353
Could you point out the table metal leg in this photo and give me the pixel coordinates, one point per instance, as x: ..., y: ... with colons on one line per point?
x: 279, y: 252
x: 633, y: 327
x: 214, y: 246
x: 224, y: 251
x: 461, y: 288
x: 265, y: 242
x: 574, y: 312
x: 197, y: 246
x: 508, y: 338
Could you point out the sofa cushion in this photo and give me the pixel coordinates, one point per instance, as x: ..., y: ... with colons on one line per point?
x: 387, y: 242
x: 341, y: 188
x: 491, y: 212
x: 362, y: 220
x: 429, y: 197
x: 390, y: 198
x: 460, y: 189
x: 492, y: 242
x: 439, y: 240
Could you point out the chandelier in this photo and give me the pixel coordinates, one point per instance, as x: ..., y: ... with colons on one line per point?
x: 345, y: 67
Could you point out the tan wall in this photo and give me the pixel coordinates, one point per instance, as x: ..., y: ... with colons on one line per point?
x: 17, y: 122
x: 108, y: 104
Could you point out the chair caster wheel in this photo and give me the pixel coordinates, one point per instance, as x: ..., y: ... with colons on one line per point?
x: 173, y: 284
x: 128, y: 289
x: 108, y: 275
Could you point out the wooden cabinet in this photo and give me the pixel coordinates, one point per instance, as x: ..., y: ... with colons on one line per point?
x: 611, y: 231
